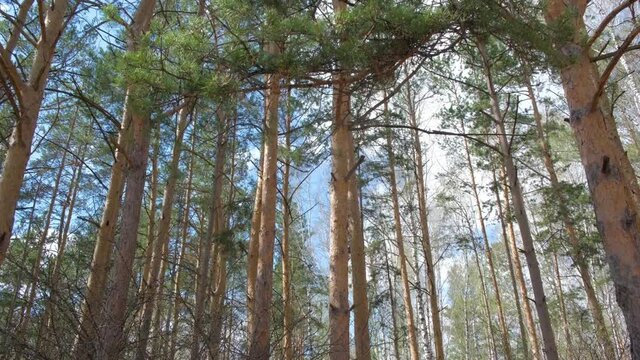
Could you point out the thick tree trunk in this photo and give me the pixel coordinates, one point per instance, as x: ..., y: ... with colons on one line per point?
x: 85, y: 343
x: 581, y: 262
x: 402, y: 259
x: 260, y: 344
x: 31, y: 93
x: 116, y: 307
x: 546, y: 327
x: 339, y: 200
x: 504, y: 331
x: 424, y: 225
x: 162, y: 240
x: 613, y: 186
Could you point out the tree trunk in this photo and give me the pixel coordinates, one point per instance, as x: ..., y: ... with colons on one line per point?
x: 37, y: 266
x: 524, y: 293
x: 215, y: 227
x: 424, y: 225
x: 613, y: 186
x: 151, y: 229
x: 576, y: 253
x: 402, y: 259
x: 358, y: 260
x: 85, y: 343
x: 287, y: 341
x: 488, y: 253
x: 177, y: 297
x: 563, y: 309
x: 392, y: 302
x: 116, y: 307
x: 339, y: 200
x: 252, y: 256
x: 31, y: 95
x: 509, y: 252
x: 162, y: 240
x: 546, y: 327
x: 65, y: 222
x: 493, y: 353
x: 260, y: 344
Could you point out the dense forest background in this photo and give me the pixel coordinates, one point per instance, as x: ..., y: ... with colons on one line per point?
x: 311, y: 179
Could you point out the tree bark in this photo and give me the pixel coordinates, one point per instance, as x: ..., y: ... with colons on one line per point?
x: 402, y: 259
x: 85, y: 343
x: 612, y: 184
x: 287, y: 341
x: 392, y: 303
x: 215, y: 228
x: 30, y: 94
x: 37, y: 266
x: 509, y: 251
x: 424, y: 225
x: 162, y: 240
x: 578, y: 257
x: 563, y: 309
x: 116, y: 307
x: 177, y: 285
x: 489, y: 255
x: 339, y: 203
x: 260, y: 344
x: 524, y: 293
x: 63, y: 236
x: 493, y: 353
x: 546, y: 327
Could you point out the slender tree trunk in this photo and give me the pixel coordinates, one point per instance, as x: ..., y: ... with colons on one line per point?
x: 37, y: 266
x: 510, y: 263
x: 392, y: 301
x: 563, y: 309
x: 611, y: 180
x: 524, y: 293
x: 493, y: 353
x: 576, y: 253
x: 252, y: 256
x: 287, y: 341
x: 421, y: 307
x: 260, y: 344
x: 358, y: 261
x: 546, y: 327
x: 402, y: 259
x: 85, y: 343
x: 17, y: 286
x: 143, y: 292
x: 177, y: 286
x: 489, y: 255
x: 30, y: 100
x: 215, y: 227
x: 424, y: 224
x: 161, y: 243
x: 65, y: 222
